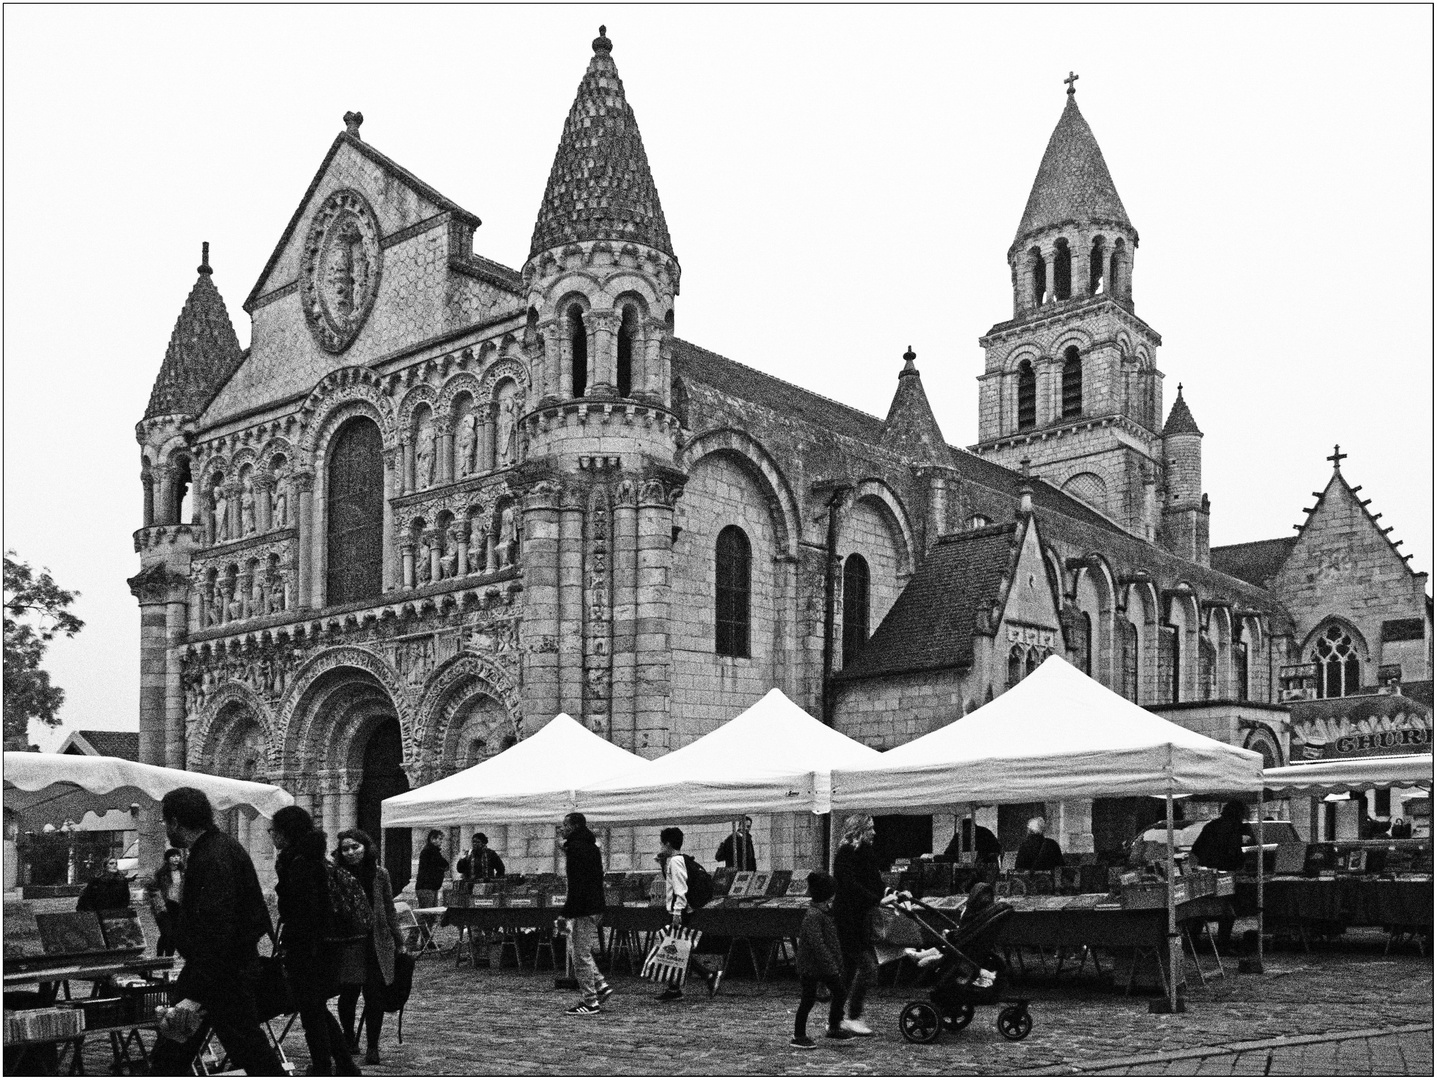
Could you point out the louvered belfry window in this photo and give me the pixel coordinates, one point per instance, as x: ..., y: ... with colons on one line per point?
x: 731, y: 592
x: 355, y: 513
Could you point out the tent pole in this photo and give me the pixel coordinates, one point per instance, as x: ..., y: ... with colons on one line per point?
x: 1174, y: 945
x: 1254, y: 967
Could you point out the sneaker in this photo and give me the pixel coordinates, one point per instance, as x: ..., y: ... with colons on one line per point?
x: 837, y: 1033
x: 583, y: 1009
x: 605, y: 992
x: 802, y: 1042
x: 673, y: 993
x: 857, y: 1027
x: 713, y: 981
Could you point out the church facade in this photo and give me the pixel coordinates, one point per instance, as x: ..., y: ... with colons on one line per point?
x: 439, y: 500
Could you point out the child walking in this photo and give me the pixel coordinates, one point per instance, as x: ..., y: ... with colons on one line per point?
x: 819, y: 961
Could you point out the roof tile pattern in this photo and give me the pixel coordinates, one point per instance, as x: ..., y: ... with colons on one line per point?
x: 204, y: 352
x: 931, y: 624
x: 1256, y: 562
x: 600, y: 187
x: 120, y: 744
x: 1073, y: 182
x: 911, y: 431
x: 1180, y: 420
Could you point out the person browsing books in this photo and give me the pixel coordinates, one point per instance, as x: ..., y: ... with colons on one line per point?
x: 724, y: 856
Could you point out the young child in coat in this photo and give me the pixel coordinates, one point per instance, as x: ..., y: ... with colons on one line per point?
x: 819, y: 961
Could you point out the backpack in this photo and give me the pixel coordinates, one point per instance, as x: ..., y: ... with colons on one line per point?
x: 701, y: 883
x: 349, y: 917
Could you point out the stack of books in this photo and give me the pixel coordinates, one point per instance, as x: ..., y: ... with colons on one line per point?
x: 33, y: 1025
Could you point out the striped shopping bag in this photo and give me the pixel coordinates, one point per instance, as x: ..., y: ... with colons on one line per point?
x: 668, y: 960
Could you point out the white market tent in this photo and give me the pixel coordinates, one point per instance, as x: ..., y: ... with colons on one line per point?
x: 532, y: 781
x: 59, y: 786
x: 772, y: 758
x: 1056, y: 735
x: 1355, y: 774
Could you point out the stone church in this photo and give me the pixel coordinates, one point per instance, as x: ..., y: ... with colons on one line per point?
x: 439, y: 500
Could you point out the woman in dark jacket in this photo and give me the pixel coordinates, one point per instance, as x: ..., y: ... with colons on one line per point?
x: 106, y: 892
x: 163, y: 890
x: 303, y: 890
x: 860, y: 891
x: 357, y: 855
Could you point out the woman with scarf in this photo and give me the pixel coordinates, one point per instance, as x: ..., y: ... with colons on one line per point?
x: 163, y: 890
x: 358, y: 855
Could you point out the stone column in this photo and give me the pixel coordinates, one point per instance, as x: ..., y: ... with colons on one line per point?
x: 541, y: 601
x: 603, y: 368
x: 485, y: 455
x: 386, y: 573
x: 263, y: 501
x: 433, y: 538
x: 166, y: 474
x: 304, y: 525
x: 332, y: 817
x: 566, y: 364
x: 319, y: 519
x: 646, y: 359
x: 653, y: 610
x: 491, y: 550
x: 1081, y: 267
x: 406, y: 560
x: 147, y: 480
x: 406, y: 465
x: 623, y: 702
x: 571, y: 609
x: 232, y: 510
x: 552, y: 362
x: 349, y: 807
x: 243, y: 585
x: 459, y: 531
x: 444, y: 449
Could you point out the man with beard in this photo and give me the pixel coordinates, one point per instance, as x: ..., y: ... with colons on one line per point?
x: 221, y: 917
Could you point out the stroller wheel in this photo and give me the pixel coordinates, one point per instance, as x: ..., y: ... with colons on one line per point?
x: 919, y: 1022
x: 959, y: 1017
x: 1014, y: 1022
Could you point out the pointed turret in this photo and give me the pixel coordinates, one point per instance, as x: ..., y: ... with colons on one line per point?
x: 1073, y: 185
x: 600, y: 187
x: 203, y: 352
x: 1180, y: 420
x: 910, y: 429
x: 1186, y: 512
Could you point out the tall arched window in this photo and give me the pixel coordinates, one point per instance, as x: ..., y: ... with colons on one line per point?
x: 1339, y: 669
x: 1062, y: 271
x: 184, y: 509
x: 1239, y: 663
x: 578, y: 350
x: 1169, y: 670
x: 628, y: 330
x: 855, y: 605
x: 1040, y: 276
x: 1072, y: 382
x: 1015, y: 665
x: 1027, y: 396
x: 1095, y: 267
x: 1130, y: 661
x: 355, y: 513
x: 1082, y: 645
x: 732, y: 562
x: 1207, y: 668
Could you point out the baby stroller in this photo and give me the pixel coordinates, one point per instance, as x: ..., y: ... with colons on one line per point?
x: 969, y: 972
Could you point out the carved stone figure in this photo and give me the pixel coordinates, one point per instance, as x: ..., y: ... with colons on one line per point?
x: 421, y: 563
x: 219, y: 523
x: 247, y: 520
x: 508, y: 535
x: 506, y: 433
x: 281, y: 500
x: 424, y: 456
x: 464, y: 445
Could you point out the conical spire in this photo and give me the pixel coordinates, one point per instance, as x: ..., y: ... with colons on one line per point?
x: 600, y: 187
x: 1073, y: 182
x: 1180, y: 420
x: 203, y: 352
x: 910, y: 429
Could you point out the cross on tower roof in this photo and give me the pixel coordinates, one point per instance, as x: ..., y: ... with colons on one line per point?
x: 1070, y: 80
x: 1336, y: 457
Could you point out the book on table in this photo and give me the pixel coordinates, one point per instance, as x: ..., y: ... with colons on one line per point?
x: 779, y: 881
x: 742, y: 883
x: 22, y: 932
x: 122, y: 930
x: 66, y: 933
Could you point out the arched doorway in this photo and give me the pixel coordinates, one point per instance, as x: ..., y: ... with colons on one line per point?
x: 383, y: 776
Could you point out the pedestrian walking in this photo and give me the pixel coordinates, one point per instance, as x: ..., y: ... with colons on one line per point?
x: 221, y: 917
x: 859, y: 891
x: 676, y: 867
x: 358, y: 856
x: 819, y: 962
x: 583, y: 911
x: 311, y: 962
x: 163, y: 889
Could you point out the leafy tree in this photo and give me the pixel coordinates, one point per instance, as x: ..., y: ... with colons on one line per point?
x: 36, y: 609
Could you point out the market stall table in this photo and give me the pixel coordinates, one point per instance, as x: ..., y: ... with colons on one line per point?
x: 1301, y: 902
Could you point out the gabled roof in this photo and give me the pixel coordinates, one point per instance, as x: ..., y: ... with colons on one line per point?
x: 1338, y: 485
x: 600, y: 187
x: 911, y: 431
x: 1256, y: 562
x: 203, y: 353
x: 100, y: 743
x: 932, y: 623
x: 1073, y: 182
x: 750, y: 384
x: 352, y: 140
x: 1180, y: 419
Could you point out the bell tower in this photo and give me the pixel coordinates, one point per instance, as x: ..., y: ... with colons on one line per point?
x: 1070, y: 382
x: 600, y: 479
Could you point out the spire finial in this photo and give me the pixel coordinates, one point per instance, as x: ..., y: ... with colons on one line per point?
x: 1070, y: 80
x: 352, y: 120
x: 908, y: 359
x: 602, y: 44
x: 204, y: 267
x: 1336, y: 457
x: 1180, y: 389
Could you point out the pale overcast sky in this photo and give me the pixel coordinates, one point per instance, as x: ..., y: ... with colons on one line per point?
x: 840, y: 183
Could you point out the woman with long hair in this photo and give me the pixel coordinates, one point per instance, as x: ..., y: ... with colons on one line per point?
x: 859, y: 891
x: 358, y: 855
x: 303, y: 891
x: 163, y: 889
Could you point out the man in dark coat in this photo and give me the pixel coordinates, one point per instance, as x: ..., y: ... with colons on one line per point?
x: 583, y: 910
x: 724, y: 854
x: 1219, y: 847
x: 482, y: 863
x: 1038, y: 851
x: 221, y: 917
x: 981, y: 841
x: 432, y: 867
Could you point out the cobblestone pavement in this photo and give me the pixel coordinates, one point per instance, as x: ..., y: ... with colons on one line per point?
x: 1345, y: 1010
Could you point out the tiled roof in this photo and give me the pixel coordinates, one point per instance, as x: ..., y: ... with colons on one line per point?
x: 1256, y: 562
x: 911, y: 431
x: 931, y: 624
x: 1180, y: 420
x: 1073, y: 182
x: 600, y: 187
x: 753, y: 385
x: 203, y: 352
x: 120, y: 744
x: 1419, y: 690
